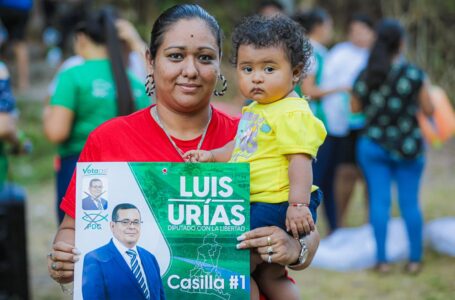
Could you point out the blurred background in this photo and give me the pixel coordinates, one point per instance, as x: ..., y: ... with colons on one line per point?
x: 48, y: 41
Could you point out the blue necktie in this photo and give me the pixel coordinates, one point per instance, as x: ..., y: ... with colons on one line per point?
x: 137, y: 272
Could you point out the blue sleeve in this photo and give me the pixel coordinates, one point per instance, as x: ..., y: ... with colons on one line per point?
x: 92, y: 279
x: 7, y: 100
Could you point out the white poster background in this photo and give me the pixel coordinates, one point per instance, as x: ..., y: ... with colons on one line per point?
x: 122, y: 188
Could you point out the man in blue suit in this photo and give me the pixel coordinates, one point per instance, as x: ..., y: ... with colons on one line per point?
x: 121, y: 269
x: 94, y: 200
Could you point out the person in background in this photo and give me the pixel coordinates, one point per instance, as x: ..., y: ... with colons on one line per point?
x: 134, y: 48
x: 184, y: 59
x: 342, y: 65
x: 89, y: 94
x: 270, y: 8
x: 14, y: 15
x: 9, y: 134
x: 318, y: 26
x: 390, y: 91
x: 60, y: 18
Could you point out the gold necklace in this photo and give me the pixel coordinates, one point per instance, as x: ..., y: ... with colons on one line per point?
x: 154, y: 113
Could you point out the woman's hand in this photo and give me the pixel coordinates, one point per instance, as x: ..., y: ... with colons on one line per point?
x: 60, y: 262
x: 273, y: 244
x: 63, y: 255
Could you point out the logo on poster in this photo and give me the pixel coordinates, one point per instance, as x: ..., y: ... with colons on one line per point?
x: 89, y: 170
x: 94, y: 220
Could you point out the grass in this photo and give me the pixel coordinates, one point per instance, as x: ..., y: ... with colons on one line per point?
x: 437, y: 281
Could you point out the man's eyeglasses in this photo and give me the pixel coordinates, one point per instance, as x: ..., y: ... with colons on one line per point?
x: 126, y: 222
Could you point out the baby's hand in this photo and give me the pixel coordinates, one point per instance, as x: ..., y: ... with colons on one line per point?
x: 199, y: 156
x: 299, y: 220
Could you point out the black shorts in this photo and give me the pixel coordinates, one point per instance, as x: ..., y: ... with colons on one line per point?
x: 15, y: 22
x: 348, y: 148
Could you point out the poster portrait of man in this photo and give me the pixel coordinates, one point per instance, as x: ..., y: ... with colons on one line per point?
x: 121, y: 269
x: 94, y: 199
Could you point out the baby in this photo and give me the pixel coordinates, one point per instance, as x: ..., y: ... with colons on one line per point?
x: 277, y: 134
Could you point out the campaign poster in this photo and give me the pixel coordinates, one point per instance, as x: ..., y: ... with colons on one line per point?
x: 140, y: 226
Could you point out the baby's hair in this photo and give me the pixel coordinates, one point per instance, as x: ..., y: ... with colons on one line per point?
x: 277, y: 31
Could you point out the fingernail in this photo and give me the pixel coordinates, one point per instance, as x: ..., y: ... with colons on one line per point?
x: 241, y: 237
x: 239, y: 246
x: 76, y: 251
x: 76, y: 258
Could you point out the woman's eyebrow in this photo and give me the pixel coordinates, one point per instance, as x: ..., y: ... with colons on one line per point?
x: 184, y: 47
x: 206, y: 47
x: 172, y: 47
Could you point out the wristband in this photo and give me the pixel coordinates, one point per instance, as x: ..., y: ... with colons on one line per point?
x: 299, y: 204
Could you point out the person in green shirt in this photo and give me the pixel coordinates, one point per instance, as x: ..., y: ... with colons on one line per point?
x: 89, y: 94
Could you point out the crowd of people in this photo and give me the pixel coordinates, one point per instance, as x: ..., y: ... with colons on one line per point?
x: 334, y: 116
x: 367, y: 95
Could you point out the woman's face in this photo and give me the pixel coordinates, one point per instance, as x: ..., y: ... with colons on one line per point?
x: 186, y: 66
x: 327, y: 31
x: 80, y: 40
x: 361, y: 35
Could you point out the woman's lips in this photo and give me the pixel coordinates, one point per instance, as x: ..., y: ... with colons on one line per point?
x: 189, y: 87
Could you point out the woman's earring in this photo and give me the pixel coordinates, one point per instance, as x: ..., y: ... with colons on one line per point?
x: 223, y: 89
x: 149, y: 85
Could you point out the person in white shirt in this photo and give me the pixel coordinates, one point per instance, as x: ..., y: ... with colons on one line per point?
x: 342, y: 65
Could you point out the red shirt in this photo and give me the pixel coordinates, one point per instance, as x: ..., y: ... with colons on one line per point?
x: 138, y: 138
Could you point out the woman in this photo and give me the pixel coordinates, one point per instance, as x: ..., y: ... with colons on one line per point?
x: 184, y: 63
x: 390, y: 91
x: 319, y: 28
x: 88, y: 94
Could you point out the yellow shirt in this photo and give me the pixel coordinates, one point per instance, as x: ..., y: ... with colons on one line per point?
x: 269, y: 132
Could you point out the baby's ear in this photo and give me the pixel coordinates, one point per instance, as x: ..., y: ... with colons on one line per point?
x: 297, y: 73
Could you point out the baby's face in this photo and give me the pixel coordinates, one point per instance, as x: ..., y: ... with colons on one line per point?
x: 265, y: 75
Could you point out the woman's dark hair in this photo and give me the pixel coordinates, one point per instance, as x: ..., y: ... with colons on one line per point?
x: 177, y: 13
x: 267, y: 3
x: 361, y: 18
x: 100, y: 28
x: 310, y: 19
x: 390, y: 34
x: 277, y: 31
